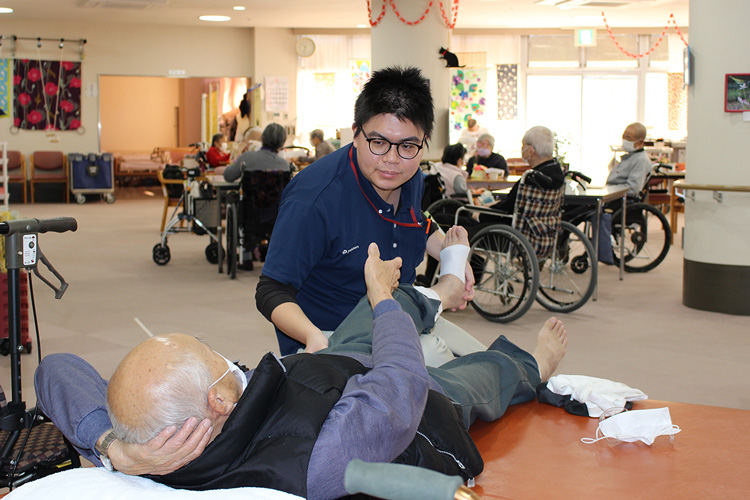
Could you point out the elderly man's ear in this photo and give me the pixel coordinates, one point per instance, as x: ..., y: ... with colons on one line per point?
x: 220, y: 402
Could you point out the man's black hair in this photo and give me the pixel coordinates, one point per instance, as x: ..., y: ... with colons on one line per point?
x: 453, y: 153
x: 402, y: 92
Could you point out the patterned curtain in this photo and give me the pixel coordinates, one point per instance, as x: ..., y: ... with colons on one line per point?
x: 47, y: 95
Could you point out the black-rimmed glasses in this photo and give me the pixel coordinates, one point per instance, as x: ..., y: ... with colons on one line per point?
x: 379, y: 146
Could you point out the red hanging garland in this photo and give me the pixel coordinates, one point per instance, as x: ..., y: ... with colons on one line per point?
x: 636, y: 56
x: 450, y: 23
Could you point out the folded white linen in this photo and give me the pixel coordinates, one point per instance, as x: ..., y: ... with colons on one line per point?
x: 597, y: 393
x: 96, y: 483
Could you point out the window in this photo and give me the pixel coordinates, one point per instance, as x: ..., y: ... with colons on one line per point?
x: 553, y: 51
x: 606, y: 54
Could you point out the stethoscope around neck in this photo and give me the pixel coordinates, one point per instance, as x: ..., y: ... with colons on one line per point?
x: 403, y: 224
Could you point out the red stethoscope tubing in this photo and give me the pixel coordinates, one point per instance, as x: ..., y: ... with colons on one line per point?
x: 404, y: 224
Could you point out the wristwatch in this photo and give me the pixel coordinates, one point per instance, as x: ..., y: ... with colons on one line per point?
x: 103, y: 449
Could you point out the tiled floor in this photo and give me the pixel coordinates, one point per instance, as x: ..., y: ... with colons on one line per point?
x: 637, y: 332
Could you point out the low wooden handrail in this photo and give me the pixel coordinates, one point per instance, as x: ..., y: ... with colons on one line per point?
x: 681, y: 184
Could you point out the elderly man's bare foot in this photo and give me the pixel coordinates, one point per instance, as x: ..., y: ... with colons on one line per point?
x: 551, y: 344
x: 449, y: 287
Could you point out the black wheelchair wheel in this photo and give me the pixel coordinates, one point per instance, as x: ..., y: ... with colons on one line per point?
x: 232, y: 240
x: 506, y: 273
x: 212, y: 253
x: 444, y: 211
x: 568, y: 277
x: 648, y: 237
x: 161, y: 254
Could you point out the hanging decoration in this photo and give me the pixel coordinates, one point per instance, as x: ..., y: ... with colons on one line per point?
x: 451, y: 23
x: 47, y: 95
x: 671, y: 20
x: 468, y: 99
x: 507, y: 91
x: 4, y: 87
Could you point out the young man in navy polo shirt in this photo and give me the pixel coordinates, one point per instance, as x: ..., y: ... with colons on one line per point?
x: 368, y: 191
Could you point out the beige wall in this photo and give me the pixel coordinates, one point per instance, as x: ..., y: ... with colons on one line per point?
x: 138, y: 113
x: 142, y: 50
x: 275, y: 56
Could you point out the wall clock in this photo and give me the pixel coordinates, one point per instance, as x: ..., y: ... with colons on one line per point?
x: 304, y: 47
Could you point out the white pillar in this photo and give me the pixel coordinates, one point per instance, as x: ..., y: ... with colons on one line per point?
x: 396, y: 43
x: 717, y: 232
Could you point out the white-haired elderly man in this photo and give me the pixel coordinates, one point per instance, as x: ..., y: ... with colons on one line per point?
x: 537, y: 148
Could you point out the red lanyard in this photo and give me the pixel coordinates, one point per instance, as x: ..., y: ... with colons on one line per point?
x: 404, y: 224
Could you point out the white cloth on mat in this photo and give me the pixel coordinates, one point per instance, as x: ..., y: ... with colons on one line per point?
x: 96, y: 483
x: 597, y: 393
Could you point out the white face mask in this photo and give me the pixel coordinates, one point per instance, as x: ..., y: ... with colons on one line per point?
x: 628, y: 146
x: 231, y: 367
x: 636, y: 425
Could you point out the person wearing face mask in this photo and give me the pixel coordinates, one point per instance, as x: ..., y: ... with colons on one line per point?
x: 537, y: 148
x: 294, y: 424
x: 470, y: 134
x: 634, y: 166
x: 485, y: 156
x: 450, y: 170
x: 216, y: 156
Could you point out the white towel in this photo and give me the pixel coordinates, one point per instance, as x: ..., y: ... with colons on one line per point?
x: 597, y: 393
x: 96, y: 483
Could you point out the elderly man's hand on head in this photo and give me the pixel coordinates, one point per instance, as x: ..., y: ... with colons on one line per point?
x: 167, y: 452
x: 381, y: 276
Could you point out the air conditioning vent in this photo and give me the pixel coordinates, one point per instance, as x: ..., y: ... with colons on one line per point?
x: 122, y: 4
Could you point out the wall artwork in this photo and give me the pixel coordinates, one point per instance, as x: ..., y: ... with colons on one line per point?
x: 507, y: 91
x: 677, y: 105
x: 47, y: 95
x: 4, y: 87
x: 468, y: 99
x: 361, y: 72
x: 737, y: 93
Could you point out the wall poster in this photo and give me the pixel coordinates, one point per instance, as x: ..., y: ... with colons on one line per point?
x: 468, y: 98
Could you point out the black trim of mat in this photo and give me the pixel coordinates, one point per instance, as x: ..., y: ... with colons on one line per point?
x: 716, y: 287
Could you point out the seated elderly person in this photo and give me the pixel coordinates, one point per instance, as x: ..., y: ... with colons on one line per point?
x: 294, y: 424
x: 450, y: 170
x: 322, y: 147
x: 251, y: 141
x: 215, y: 154
x: 267, y: 158
x: 537, y: 148
x: 470, y: 134
x: 485, y: 156
x: 634, y: 166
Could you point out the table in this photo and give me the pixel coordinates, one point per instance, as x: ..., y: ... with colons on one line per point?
x: 600, y: 196
x: 493, y: 185
x: 221, y: 187
x: 596, y: 196
x: 534, y: 452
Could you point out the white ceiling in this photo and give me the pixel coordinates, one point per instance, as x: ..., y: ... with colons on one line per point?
x: 349, y: 13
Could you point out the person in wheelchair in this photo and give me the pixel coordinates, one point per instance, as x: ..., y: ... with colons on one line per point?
x: 537, y: 148
x: 294, y: 424
x: 450, y: 169
x: 273, y: 139
x: 633, y: 167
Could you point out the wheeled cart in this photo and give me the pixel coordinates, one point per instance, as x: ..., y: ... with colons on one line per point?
x: 92, y: 174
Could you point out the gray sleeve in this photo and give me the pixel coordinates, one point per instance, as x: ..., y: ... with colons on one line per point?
x: 459, y: 184
x: 234, y: 171
x: 379, y: 412
x: 74, y: 396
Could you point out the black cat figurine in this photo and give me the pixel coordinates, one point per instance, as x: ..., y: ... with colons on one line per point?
x: 451, y: 59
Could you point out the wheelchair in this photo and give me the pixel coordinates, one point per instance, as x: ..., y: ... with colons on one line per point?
x: 195, y: 207
x: 532, y: 256
x: 251, y: 213
x: 647, y: 233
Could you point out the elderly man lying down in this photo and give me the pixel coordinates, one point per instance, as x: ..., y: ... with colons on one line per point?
x: 187, y: 417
